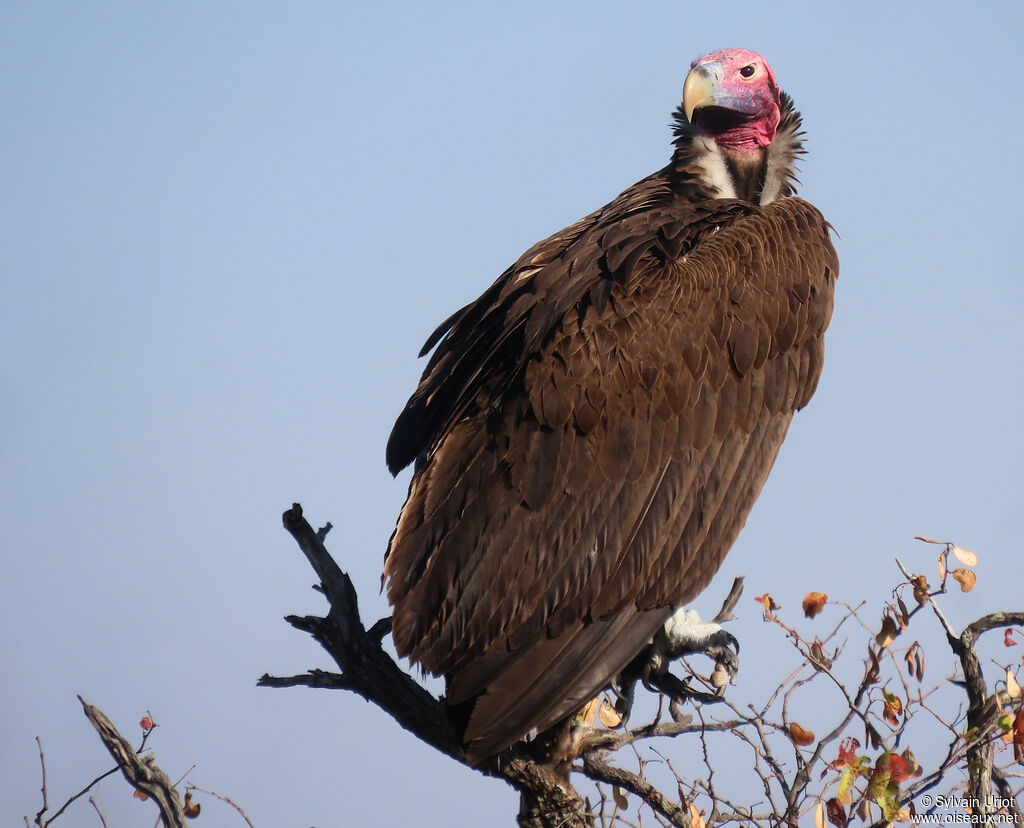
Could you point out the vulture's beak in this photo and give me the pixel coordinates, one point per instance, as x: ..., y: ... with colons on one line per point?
x: 701, y: 87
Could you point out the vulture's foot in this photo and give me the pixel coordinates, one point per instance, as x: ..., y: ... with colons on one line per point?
x: 682, y: 634
x: 685, y: 634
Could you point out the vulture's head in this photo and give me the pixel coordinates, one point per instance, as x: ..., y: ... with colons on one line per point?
x: 731, y: 96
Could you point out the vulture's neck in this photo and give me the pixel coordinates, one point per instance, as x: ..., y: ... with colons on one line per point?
x: 703, y: 169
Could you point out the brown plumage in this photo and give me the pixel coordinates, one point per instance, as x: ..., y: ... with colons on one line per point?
x: 592, y: 432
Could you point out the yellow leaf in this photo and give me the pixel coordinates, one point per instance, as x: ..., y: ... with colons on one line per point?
x: 965, y: 578
x: 965, y: 556
x: 608, y: 715
x: 586, y: 714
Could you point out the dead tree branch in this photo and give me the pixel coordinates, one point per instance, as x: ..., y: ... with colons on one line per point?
x: 547, y: 797
x: 141, y: 772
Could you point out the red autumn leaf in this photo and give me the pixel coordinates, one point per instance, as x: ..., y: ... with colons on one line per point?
x: 1018, y: 737
x: 800, y: 736
x: 1008, y: 638
x: 836, y: 813
x: 848, y: 750
x: 767, y: 602
x: 813, y: 603
x: 898, y: 770
x: 892, y: 708
x: 146, y: 723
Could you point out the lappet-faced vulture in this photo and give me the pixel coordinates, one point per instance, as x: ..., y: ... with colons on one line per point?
x: 590, y: 434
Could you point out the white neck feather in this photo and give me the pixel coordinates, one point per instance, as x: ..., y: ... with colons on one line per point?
x: 780, y: 166
x: 714, y: 172
x: 780, y: 163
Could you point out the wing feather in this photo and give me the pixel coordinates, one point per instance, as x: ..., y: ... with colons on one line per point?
x: 591, y: 435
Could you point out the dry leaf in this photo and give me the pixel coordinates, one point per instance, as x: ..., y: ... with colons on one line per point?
x: 587, y: 714
x: 965, y: 578
x: 620, y: 798
x: 942, y: 566
x: 913, y: 768
x: 904, y: 613
x: 608, y: 715
x: 915, y: 661
x: 965, y: 556
x: 720, y: 676
x: 818, y: 655
x: 888, y: 632
x: 191, y: 809
x: 140, y: 795
x: 813, y: 603
x: 819, y: 815
x: 800, y: 736
x: 1012, y: 687
x: 873, y: 673
x: 928, y: 540
x: 837, y: 813
x: 911, y: 656
x: 696, y: 817
x: 920, y: 584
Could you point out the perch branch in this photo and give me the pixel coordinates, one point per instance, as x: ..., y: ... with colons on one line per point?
x: 547, y: 797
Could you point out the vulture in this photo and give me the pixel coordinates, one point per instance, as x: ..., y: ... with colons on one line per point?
x: 589, y: 436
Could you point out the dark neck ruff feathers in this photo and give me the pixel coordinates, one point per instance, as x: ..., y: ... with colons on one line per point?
x: 758, y: 177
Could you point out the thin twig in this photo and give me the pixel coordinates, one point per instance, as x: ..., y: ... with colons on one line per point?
x: 222, y: 798
x: 103, y: 819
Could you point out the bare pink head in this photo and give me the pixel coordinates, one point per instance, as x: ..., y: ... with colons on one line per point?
x: 731, y: 96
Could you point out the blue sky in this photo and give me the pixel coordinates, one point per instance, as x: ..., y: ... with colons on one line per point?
x: 225, y: 231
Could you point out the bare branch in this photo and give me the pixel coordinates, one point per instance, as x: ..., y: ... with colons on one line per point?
x: 600, y: 770
x: 140, y: 771
x: 365, y: 668
x: 228, y: 800
x: 103, y: 819
x: 729, y: 604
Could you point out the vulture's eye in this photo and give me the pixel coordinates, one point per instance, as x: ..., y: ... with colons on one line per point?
x: 748, y: 71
